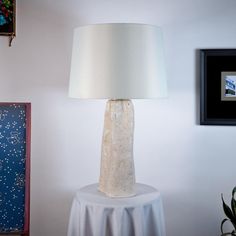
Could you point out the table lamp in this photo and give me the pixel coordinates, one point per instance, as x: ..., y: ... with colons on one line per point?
x: 118, y: 62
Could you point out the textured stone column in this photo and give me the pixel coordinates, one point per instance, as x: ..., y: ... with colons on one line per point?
x: 117, y: 175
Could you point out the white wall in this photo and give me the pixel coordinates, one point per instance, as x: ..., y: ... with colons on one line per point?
x: 190, y: 164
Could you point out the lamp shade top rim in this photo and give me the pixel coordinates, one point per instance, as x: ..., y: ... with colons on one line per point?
x: 117, y: 24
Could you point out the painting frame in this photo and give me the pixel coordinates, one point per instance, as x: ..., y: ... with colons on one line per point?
x: 214, y: 108
x: 27, y: 108
x: 8, y: 26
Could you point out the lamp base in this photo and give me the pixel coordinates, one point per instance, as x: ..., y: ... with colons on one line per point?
x: 117, y: 174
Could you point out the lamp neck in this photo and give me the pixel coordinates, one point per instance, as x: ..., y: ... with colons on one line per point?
x: 118, y: 99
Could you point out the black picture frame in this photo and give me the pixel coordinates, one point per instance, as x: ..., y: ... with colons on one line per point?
x: 215, y: 107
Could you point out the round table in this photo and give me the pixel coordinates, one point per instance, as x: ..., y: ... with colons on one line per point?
x: 94, y: 214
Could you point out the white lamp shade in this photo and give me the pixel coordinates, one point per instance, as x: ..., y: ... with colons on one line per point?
x: 118, y: 61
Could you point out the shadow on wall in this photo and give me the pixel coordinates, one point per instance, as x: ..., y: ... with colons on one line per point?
x: 185, y: 203
x: 41, y: 53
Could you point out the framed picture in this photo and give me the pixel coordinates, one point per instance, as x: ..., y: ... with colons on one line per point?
x: 7, y: 17
x: 15, y: 168
x: 218, y: 87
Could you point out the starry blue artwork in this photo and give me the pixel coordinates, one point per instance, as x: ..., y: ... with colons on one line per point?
x: 13, y: 150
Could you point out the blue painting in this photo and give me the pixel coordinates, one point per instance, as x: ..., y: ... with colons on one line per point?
x: 12, y: 167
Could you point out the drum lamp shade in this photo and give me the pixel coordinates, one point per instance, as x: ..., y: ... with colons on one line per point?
x: 118, y: 61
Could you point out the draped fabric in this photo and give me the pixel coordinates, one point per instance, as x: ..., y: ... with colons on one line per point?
x: 93, y: 214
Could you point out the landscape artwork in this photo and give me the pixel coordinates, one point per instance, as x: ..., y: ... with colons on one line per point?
x: 228, y: 86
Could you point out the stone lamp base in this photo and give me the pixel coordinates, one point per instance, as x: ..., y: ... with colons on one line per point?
x: 117, y: 174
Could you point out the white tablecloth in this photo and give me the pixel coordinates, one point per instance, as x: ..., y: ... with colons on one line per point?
x: 94, y: 214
